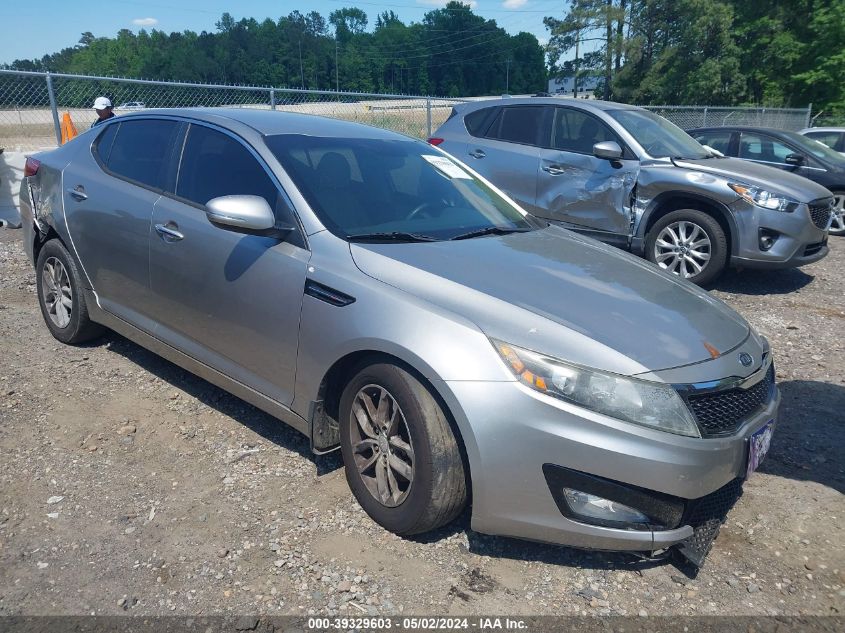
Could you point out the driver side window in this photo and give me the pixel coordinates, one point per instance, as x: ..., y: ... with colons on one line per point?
x: 576, y: 131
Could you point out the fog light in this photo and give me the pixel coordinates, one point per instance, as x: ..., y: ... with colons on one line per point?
x: 767, y: 239
x: 593, y: 507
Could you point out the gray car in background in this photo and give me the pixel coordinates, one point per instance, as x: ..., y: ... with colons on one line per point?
x: 629, y: 177
x: 383, y: 299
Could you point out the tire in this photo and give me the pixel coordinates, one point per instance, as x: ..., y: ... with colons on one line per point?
x: 419, y: 437
x: 837, y: 227
x: 57, y: 276
x: 683, y: 240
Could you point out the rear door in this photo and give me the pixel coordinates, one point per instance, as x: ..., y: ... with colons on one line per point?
x: 109, y: 197
x: 508, y: 152
x: 574, y: 186
x: 229, y: 300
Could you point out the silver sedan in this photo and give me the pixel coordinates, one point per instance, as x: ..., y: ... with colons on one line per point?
x: 385, y: 300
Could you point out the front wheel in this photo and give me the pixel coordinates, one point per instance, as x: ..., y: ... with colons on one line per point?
x: 837, y: 226
x: 401, y: 457
x: 688, y: 243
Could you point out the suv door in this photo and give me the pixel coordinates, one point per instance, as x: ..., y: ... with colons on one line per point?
x: 109, y: 201
x: 507, y: 152
x: 227, y: 299
x: 574, y: 186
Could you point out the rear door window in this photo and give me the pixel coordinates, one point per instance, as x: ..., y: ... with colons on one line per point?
x: 720, y: 140
x: 518, y: 124
x: 576, y: 131
x: 831, y: 139
x: 141, y: 150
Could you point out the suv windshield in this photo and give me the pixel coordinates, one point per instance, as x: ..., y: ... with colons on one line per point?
x: 397, y: 190
x: 657, y: 136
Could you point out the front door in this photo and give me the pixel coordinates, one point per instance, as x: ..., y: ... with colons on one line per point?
x: 575, y: 187
x: 229, y: 300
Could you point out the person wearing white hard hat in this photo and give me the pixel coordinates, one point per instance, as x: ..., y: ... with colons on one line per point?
x: 103, y: 107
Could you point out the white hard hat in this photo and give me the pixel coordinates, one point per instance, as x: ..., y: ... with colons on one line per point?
x: 101, y: 103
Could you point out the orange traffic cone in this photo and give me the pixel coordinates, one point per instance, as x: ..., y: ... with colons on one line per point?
x: 68, y: 128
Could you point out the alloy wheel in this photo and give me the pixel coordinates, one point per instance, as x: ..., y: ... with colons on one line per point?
x: 837, y: 225
x: 56, y: 292
x: 381, y: 445
x: 683, y: 248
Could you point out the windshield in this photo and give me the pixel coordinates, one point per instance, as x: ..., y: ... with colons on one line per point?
x: 392, y: 189
x: 657, y: 136
x: 817, y: 149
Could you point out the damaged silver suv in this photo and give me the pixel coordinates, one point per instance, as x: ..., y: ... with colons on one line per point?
x: 629, y: 177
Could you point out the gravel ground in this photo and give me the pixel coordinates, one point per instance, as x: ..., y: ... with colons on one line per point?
x: 130, y: 486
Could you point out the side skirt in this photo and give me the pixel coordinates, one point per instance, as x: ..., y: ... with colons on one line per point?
x: 259, y: 400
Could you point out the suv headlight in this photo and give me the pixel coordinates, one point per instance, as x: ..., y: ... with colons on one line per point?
x: 763, y: 198
x: 642, y: 402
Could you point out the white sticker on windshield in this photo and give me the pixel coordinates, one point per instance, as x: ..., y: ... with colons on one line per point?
x: 447, y: 166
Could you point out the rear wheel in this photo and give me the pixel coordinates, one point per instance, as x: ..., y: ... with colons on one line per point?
x: 60, y: 296
x: 688, y: 243
x: 401, y: 457
x: 837, y: 227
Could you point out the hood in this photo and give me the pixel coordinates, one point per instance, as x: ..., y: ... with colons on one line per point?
x: 749, y: 173
x: 564, y: 295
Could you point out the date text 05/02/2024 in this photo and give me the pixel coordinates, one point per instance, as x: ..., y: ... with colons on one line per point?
x: 417, y: 624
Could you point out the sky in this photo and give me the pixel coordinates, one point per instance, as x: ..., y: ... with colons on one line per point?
x: 29, y: 30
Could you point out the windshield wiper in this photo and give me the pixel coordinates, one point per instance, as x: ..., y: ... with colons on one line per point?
x: 393, y: 236
x: 490, y: 230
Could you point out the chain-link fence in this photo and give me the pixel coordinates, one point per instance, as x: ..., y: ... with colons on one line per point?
x: 33, y: 105
x: 688, y: 117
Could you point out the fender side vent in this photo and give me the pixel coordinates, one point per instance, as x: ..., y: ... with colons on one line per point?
x: 327, y: 294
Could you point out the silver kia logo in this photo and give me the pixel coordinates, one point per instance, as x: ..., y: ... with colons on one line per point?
x: 745, y: 359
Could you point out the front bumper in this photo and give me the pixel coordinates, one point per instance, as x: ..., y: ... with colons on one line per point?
x: 799, y: 242
x: 517, y: 431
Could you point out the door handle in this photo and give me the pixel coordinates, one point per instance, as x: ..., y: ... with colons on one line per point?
x: 168, y: 232
x: 552, y: 169
x: 77, y: 193
x: 477, y: 153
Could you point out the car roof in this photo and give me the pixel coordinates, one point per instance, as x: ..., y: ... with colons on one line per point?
x: 271, y: 122
x: 741, y: 128
x: 586, y: 104
x: 822, y: 129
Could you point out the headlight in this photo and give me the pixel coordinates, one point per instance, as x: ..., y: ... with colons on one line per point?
x: 642, y: 402
x: 763, y: 198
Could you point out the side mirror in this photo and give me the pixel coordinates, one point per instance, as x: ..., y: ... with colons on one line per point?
x: 244, y: 214
x: 794, y: 159
x: 608, y: 150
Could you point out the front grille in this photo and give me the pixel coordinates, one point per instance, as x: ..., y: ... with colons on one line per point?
x: 706, y: 516
x: 820, y: 211
x: 723, y: 412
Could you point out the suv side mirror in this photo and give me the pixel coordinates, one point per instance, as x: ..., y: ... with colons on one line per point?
x: 245, y: 214
x: 608, y: 150
x: 794, y: 159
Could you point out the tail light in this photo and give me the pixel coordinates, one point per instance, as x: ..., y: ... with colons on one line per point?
x: 435, y: 141
x: 31, y: 166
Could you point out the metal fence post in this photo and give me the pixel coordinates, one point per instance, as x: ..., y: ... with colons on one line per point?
x: 428, y: 115
x: 808, y: 118
x: 705, y: 117
x: 272, y: 99
x: 56, y: 125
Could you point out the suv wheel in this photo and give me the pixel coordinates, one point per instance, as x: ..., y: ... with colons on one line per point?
x: 60, y: 296
x: 688, y: 243
x: 837, y: 227
x: 401, y: 458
